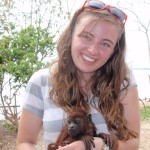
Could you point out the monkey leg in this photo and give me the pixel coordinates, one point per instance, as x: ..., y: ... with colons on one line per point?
x: 88, y: 141
x: 110, y: 140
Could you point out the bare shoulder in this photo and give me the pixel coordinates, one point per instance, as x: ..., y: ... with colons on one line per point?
x: 131, y: 96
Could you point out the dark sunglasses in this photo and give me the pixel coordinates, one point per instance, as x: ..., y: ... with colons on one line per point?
x: 98, y: 5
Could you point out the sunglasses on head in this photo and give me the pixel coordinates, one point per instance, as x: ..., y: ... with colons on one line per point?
x: 98, y: 5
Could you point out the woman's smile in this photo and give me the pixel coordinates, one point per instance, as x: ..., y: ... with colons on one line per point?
x: 88, y: 59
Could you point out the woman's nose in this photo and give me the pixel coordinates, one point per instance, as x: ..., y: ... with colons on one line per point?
x: 93, y: 49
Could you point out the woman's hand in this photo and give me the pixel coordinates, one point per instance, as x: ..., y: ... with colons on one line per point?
x: 79, y: 145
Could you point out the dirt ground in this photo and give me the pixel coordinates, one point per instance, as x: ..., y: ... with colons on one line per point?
x: 8, y: 140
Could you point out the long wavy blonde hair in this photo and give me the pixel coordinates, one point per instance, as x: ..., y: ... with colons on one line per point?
x: 107, y: 80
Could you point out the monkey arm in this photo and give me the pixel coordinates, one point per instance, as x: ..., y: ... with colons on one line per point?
x: 88, y: 141
x: 110, y: 140
x: 62, y: 136
x: 60, y: 140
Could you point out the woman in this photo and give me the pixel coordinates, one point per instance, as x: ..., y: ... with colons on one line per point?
x: 90, y: 72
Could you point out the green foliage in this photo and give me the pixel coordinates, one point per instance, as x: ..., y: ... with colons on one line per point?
x: 145, y: 113
x: 22, y: 52
x: 10, y: 128
x: 26, y: 42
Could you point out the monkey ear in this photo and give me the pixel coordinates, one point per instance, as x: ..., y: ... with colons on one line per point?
x: 89, y: 117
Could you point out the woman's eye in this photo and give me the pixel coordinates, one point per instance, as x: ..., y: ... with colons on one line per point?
x: 86, y: 37
x: 106, y: 44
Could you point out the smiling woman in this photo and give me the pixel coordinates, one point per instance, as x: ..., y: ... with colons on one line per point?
x: 90, y: 73
x: 93, y: 43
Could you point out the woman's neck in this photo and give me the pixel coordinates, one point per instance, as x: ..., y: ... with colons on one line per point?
x: 85, y: 83
x: 86, y: 87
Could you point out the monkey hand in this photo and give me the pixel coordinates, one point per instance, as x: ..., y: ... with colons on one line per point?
x: 52, y: 147
x: 110, y: 139
x: 88, y: 141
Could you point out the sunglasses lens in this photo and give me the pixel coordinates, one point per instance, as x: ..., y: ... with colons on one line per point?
x: 96, y: 4
x: 117, y: 13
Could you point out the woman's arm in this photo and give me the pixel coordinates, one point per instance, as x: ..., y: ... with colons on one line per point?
x: 79, y: 145
x: 132, y: 115
x: 29, y: 127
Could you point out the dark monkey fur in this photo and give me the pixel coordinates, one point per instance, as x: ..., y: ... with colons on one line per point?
x: 80, y: 127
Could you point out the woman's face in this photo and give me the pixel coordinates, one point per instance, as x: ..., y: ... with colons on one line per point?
x: 93, y: 45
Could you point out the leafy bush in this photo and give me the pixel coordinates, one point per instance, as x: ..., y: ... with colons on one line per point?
x: 10, y: 128
x: 145, y: 113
